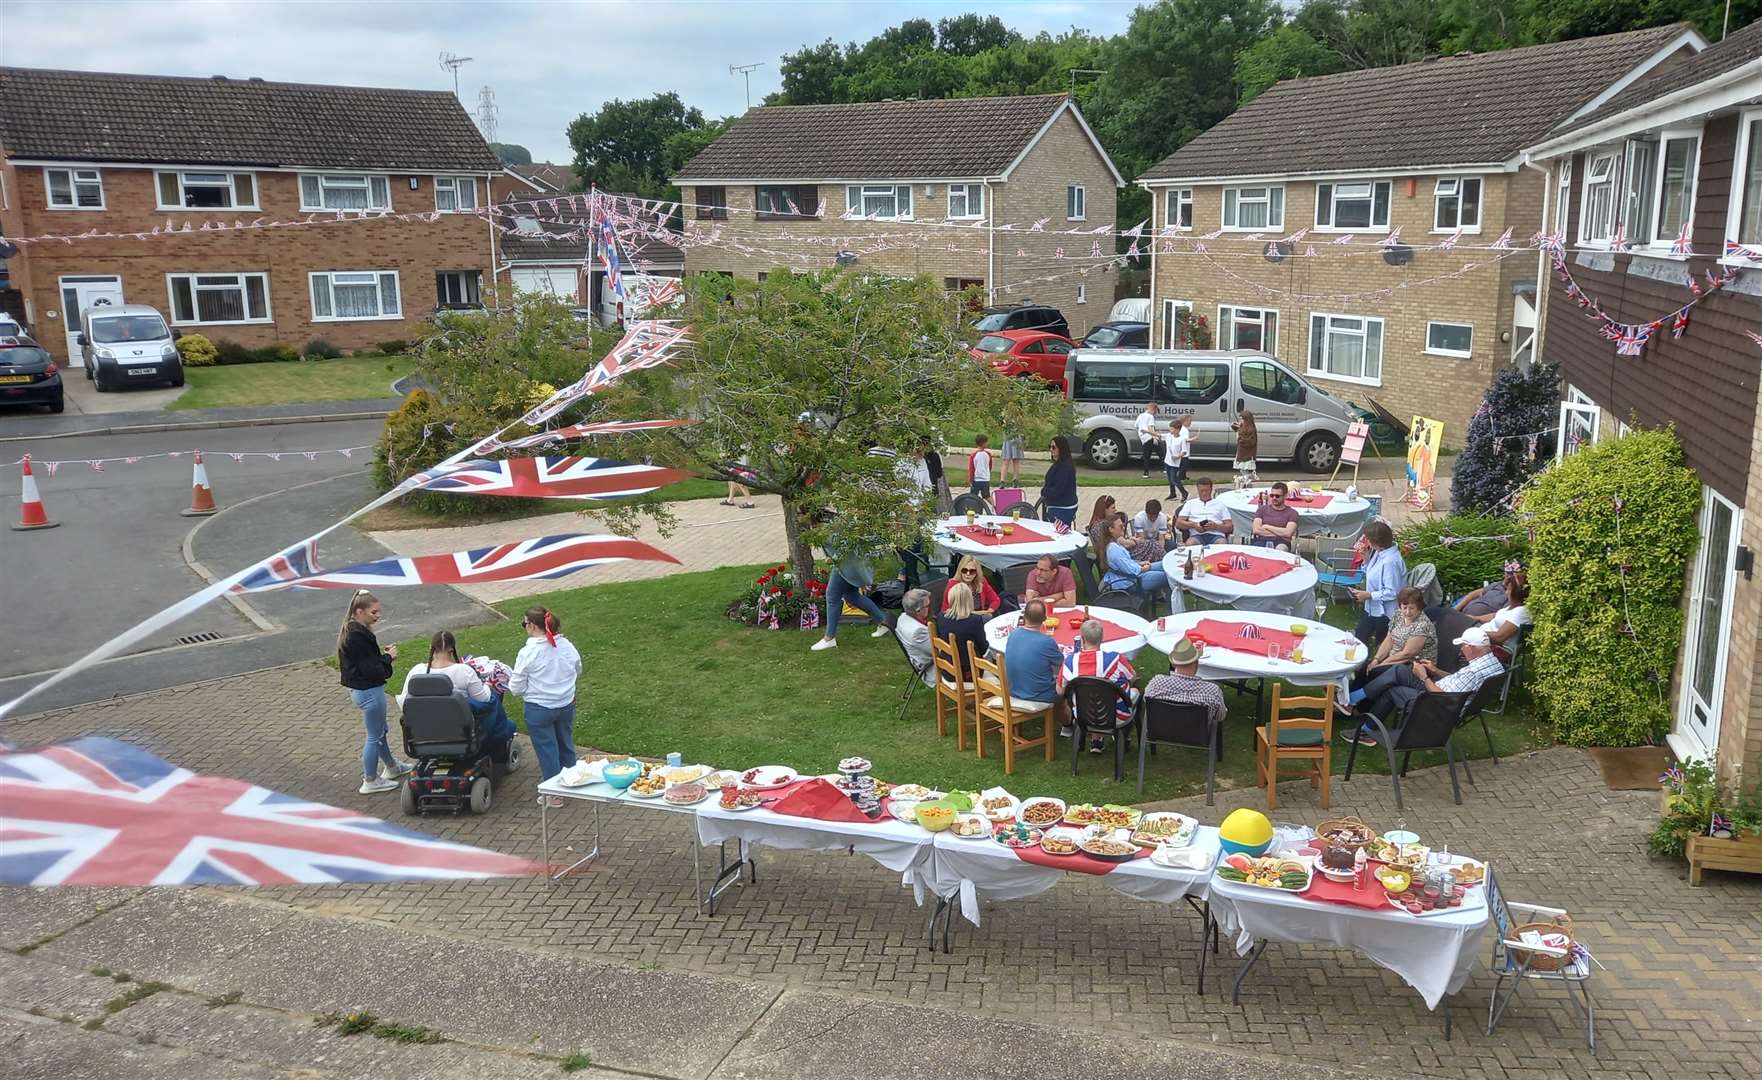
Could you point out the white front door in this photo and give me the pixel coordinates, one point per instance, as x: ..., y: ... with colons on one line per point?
x: 1709, y: 623
x: 78, y: 294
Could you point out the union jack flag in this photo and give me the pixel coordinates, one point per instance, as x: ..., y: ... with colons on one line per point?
x: 1392, y: 240
x: 657, y: 292
x: 100, y: 812
x: 608, y: 253
x: 1059, y: 528
x: 1504, y: 241
x: 1681, y: 245
x: 544, y: 557
x: 581, y: 431
x: 1735, y: 250
x: 296, y: 562
x: 644, y: 344
x: 546, y: 478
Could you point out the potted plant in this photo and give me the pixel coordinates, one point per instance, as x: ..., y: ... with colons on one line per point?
x: 774, y: 601
x: 1697, y: 822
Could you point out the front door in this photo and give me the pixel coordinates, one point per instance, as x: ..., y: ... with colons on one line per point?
x: 78, y: 294
x: 1709, y: 622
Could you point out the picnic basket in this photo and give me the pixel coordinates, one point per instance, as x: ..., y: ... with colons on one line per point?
x: 1537, y: 961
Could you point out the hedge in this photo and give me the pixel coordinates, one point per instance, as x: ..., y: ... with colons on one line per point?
x: 1463, y: 564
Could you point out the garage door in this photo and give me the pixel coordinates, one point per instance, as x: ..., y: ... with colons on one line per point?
x: 558, y: 281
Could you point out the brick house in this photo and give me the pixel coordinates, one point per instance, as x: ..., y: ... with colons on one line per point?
x: 949, y: 188
x: 1677, y: 154
x: 535, y: 261
x: 1431, y: 150
x: 107, y: 153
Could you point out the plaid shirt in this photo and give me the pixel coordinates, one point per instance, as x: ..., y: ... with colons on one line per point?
x: 1471, y: 675
x: 1178, y: 689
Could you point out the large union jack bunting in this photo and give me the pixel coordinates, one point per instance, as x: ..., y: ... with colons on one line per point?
x: 544, y: 557
x: 296, y: 562
x: 644, y: 344
x: 582, y: 431
x: 101, y: 812
x: 546, y: 478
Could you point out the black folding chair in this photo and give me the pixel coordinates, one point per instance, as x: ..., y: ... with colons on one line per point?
x: 1179, y: 725
x: 970, y: 503
x: 1430, y: 724
x: 1084, y: 560
x: 1093, y: 704
x: 1478, y: 707
x: 919, y: 671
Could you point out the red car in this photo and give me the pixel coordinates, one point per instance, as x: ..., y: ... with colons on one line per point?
x: 1026, y: 352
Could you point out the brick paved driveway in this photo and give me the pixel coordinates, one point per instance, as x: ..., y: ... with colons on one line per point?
x: 1682, y: 995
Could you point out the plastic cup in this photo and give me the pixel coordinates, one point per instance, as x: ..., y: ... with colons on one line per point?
x: 674, y: 760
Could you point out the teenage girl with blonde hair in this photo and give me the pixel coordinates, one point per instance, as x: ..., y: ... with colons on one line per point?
x: 365, y: 667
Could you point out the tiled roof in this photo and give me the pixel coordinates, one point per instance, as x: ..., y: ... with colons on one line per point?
x: 642, y: 250
x: 1453, y: 110
x: 945, y: 138
x: 155, y: 119
x: 1735, y: 51
x: 547, y: 176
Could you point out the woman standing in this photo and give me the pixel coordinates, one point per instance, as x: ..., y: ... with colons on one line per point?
x: 1247, y: 446
x: 545, y: 673
x: 495, y: 730
x: 1059, y: 490
x: 1012, y: 458
x: 1385, y: 575
x: 847, y: 580
x: 365, y: 667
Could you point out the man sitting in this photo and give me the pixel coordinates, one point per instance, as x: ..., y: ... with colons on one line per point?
x: 1031, y: 660
x: 1183, y: 686
x: 1092, y: 660
x: 913, y: 628
x: 1204, y: 519
x: 1275, y: 524
x: 1393, y: 691
x: 1051, y: 582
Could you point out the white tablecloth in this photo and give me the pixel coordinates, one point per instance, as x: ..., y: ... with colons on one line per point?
x: 986, y: 870
x: 1323, y: 649
x: 951, y: 543
x: 1434, y: 954
x: 1341, y: 517
x: 890, y: 842
x: 997, y: 627
x: 1291, y: 593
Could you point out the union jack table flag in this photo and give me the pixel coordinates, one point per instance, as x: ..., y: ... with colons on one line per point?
x: 544, y: 557
x: 546, y: 478
x: 100, y: 812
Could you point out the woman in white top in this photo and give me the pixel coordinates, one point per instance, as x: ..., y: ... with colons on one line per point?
x: 1175, y: 449
x: 544, y: 675
x: 494, y: 727
x: 1506, y: 625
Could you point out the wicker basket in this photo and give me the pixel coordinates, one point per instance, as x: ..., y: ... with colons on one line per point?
x: 1536, y: 961
x: 1346, y: 823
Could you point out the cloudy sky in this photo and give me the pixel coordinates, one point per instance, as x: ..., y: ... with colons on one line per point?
x: 547, y: 62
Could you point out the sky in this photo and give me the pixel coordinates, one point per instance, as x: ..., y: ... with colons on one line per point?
x: 547, y: 62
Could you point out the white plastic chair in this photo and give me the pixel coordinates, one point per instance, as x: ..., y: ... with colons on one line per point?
x: 1511, y: 962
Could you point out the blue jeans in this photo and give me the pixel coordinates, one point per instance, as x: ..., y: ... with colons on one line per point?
x: 495, y: 730
x: 837, y: 589
x: 552, y: 732
x: 1176, y: 474
x: 1209, y: 538
x: 1066, y: 514
x: 1151, y: 582
x: 375, y: 749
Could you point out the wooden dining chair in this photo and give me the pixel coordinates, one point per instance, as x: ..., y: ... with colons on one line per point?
x: 952, y: 688
x: 1007, y: 715
x: 1291, y: 732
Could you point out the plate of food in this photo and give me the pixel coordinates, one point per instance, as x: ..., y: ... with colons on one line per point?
x: 855, y: 765
x: 648, y: 787
x: 1338, y: 863
x: 1469, y: 872
x: 1111, y: 815
x: 583, y: 773
x: 1106, y: 848
x: 970, y: 827
x: 1042, y: 812
x: 1425, y: 900
x: 1018, y: 836
x: 1060, y: 841
x: 1001, y: 806
x: 687, y: 793
x: 737, y: 800
x: 684, y: 774
x: 914, y: 792
x: 1267, y: 872
x: 1153, y: 830
x: 769, y: 776
x: 722, y: 778
x: 905, y: 810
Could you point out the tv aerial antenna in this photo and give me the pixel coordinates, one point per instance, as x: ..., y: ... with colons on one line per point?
x: 453, y: 62
x: 745, y: 71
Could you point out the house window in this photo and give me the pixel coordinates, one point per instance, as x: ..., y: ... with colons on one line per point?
x: 1346, y: 347
x: 1456, y: 204
x: 1076, y: 203
x: 1676, y: 186
x: 1746, y: 184
x: 1082, y: 294
x: 712, y: 204
x: 1562, y: 206
x: 1352, y: 206
x: 206, y: 191
x: 1639, y: 168
x: 1579, y: 420
x: 1175, y: 325
x: 1180, y: 208
x: 355, y: 294
x: 74, y: 189
x: 453, y: 194
x: 890, y: 203
x: 966, y: 200
x: 218, y: 298
x: 1254, y: 208
x: 771, y: 203
x: 344, y: 192
x: 1248, y: 328
x: 458, y: 288
x: 1449, y: 339
x: 1596, y: 219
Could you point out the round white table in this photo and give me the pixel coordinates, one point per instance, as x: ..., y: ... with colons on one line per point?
x: 1324, y: 659
x: 1341, y: 517
x: 997, y: 629
x: 997, y: 556
x: 1291, y: 593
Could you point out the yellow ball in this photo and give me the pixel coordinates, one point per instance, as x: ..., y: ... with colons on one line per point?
x: 1246, y: 831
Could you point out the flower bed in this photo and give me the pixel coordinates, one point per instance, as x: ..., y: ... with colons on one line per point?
x: 775, y: 601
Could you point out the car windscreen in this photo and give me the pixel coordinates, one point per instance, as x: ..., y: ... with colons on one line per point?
x: 1103, y: 337
x: 122, y: 328
x: 994, y: 321
x: 993, y: 343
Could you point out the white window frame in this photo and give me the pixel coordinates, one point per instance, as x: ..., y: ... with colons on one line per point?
x: 1563, y: 199
x: 379, y: 286
x: 1170, y: 310
x: 194, y: 278
x: 1082, y: 294
x: 1734, y: 218
x: 365, y: 181
x: 231, y: 184
x: 1328, y: 197
x: 1272, y: 196
x: 1576, y: 404
x: 1178, y: 200
x: 972, y: 201
x: 1328, y: 330
x: 464, y: 304
x: 1454, y: 187
x: 856, y: 194
x: 455, y: 185
x: 1461, y: 354
x: 75, y: 177
x: 1271, y: 348
x: 1633, y: 204
x: 1659, y: 238
x: 1076, y: 202
x: 1587, y: 229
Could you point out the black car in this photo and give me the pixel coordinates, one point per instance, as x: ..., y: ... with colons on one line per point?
x: 1122, y: 334
x: 1023, y: 317
x: 27, y: 374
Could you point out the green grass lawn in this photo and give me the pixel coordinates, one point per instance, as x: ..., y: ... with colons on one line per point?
x: 665, y: 670
x: 344, y: 379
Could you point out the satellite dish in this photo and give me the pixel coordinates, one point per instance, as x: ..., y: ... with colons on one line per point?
x: 1398, y: 255
x: 1277, y: 250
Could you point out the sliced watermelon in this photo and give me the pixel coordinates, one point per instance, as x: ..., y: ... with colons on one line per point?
x: 1240, y: 862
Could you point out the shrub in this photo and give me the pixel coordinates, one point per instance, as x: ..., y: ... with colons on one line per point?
x: 320, y: 349
x: 231, y: 352
x: 274, y: 354
x: 1614, y: 525
x: 1490, y: 467
x: 197, y: 351
x: 393, y: 347
x: 1450, y: 544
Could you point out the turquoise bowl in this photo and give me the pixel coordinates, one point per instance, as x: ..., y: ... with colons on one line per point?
x: 621, y: 774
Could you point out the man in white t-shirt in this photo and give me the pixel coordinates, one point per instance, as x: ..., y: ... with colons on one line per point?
x: 1147, y: 440
x: 1205, y: 519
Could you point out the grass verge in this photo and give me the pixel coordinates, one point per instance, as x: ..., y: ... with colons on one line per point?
x: 352, y: 378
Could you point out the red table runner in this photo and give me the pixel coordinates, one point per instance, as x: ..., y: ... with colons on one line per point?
x: 819, y: 799
x: 981, y: 534
x: 1077, y: 862
x: 1225, y: 635
x: 1258, y: 568
x: 1372, y: 896
x: 1313, y: 502
x: 1066, y: 634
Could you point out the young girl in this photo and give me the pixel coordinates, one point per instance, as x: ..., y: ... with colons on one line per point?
x: 545, y: 674
x: 365, y: 667
x: 1247, y: 447
x: 1175, y: 449
x: 979, y: 468
x: 1012, y: 458
x: 496, y: 729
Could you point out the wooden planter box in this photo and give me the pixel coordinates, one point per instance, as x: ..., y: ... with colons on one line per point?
x: 1743, y: 853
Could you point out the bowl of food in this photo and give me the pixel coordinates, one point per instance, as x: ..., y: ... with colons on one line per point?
x: 1041, y: 811
x: 1394, y: 879
x: 1108, y: 849
x: 935, y: 815
x: 1050, y: 624
x: 621, y: 774
x: 1075, y: 622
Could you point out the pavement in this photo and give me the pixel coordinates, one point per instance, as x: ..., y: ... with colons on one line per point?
x: 143, y: 411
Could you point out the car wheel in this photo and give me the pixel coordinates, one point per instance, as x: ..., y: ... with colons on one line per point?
x: 98, y: 382
x: 1105, y: 449
x: 1318, y: 453
x: 178, y: 379
x: 59, y: 404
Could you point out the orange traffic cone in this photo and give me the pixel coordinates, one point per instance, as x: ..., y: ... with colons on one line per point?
x: 201, y: 495
x: 31, y: 515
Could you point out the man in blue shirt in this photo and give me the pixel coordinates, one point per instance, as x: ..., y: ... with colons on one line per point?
x: 1031, y: 659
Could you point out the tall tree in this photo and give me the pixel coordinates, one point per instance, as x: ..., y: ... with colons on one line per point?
x: 622, y: 147
x: 511, y: 153
x: 970, y: 34
x: 1289, y: 52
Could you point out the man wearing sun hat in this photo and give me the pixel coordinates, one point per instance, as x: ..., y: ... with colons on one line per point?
x: 1390, y: 693
x: 1182, y: 685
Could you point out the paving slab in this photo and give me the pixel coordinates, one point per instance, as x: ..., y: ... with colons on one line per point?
x: 29, y: 916
x: 49, y: 1050
x: 176, y: 936
x: 54, y: 990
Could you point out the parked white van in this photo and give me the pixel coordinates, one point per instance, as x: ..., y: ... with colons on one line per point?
x: 127, y: 345
x: 1108, y: 388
